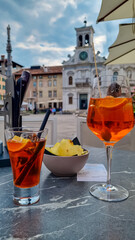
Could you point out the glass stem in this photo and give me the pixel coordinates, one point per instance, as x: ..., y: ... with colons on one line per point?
x: 109, y: 160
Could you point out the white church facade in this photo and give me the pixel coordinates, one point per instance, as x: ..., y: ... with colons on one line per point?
x: 79, y: 71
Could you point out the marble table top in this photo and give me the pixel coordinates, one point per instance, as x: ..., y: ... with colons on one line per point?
x: 66, y: 210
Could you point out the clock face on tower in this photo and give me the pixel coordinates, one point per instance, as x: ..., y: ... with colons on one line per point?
x: 83, y: 55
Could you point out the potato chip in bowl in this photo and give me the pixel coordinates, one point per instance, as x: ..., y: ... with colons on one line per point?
x: 66, y: 148
x: 65, y: 158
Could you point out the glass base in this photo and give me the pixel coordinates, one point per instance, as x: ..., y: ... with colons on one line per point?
x: 26, y: 196
x: 109, y: 193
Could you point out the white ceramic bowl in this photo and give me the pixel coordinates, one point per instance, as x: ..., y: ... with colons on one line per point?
x: 65, y: 166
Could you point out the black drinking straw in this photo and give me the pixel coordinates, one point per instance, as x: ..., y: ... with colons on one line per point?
x: 44, y: 122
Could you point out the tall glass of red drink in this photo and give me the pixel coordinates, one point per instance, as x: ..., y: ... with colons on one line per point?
x: 26, y: 148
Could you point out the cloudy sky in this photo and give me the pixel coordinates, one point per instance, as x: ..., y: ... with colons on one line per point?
x: 43, y: 31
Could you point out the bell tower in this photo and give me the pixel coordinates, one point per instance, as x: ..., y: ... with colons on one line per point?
x: 84, y: 36
x: 80, y: 68
x: 84, y: 39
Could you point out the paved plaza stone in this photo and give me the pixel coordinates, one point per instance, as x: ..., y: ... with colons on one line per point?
x: 66, y: 124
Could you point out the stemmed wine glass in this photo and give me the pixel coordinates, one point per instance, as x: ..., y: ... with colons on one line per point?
x: 110, y: 117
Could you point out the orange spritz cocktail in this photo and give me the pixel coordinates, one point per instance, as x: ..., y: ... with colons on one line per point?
x: 26, y: 159
x: 110, y: 118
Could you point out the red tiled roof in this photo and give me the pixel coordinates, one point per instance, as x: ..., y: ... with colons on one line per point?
x: 13, y: 63
x: 42, y: 70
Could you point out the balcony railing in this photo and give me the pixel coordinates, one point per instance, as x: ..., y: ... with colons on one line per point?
x: 132, y: 82
x: 82, y: 84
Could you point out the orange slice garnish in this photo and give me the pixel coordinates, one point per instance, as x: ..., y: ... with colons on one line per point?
x: 110, y: 102
x: 17, y: 144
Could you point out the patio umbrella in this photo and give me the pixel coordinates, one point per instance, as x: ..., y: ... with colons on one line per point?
x: 116, y: 9
x: 122, y: 51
